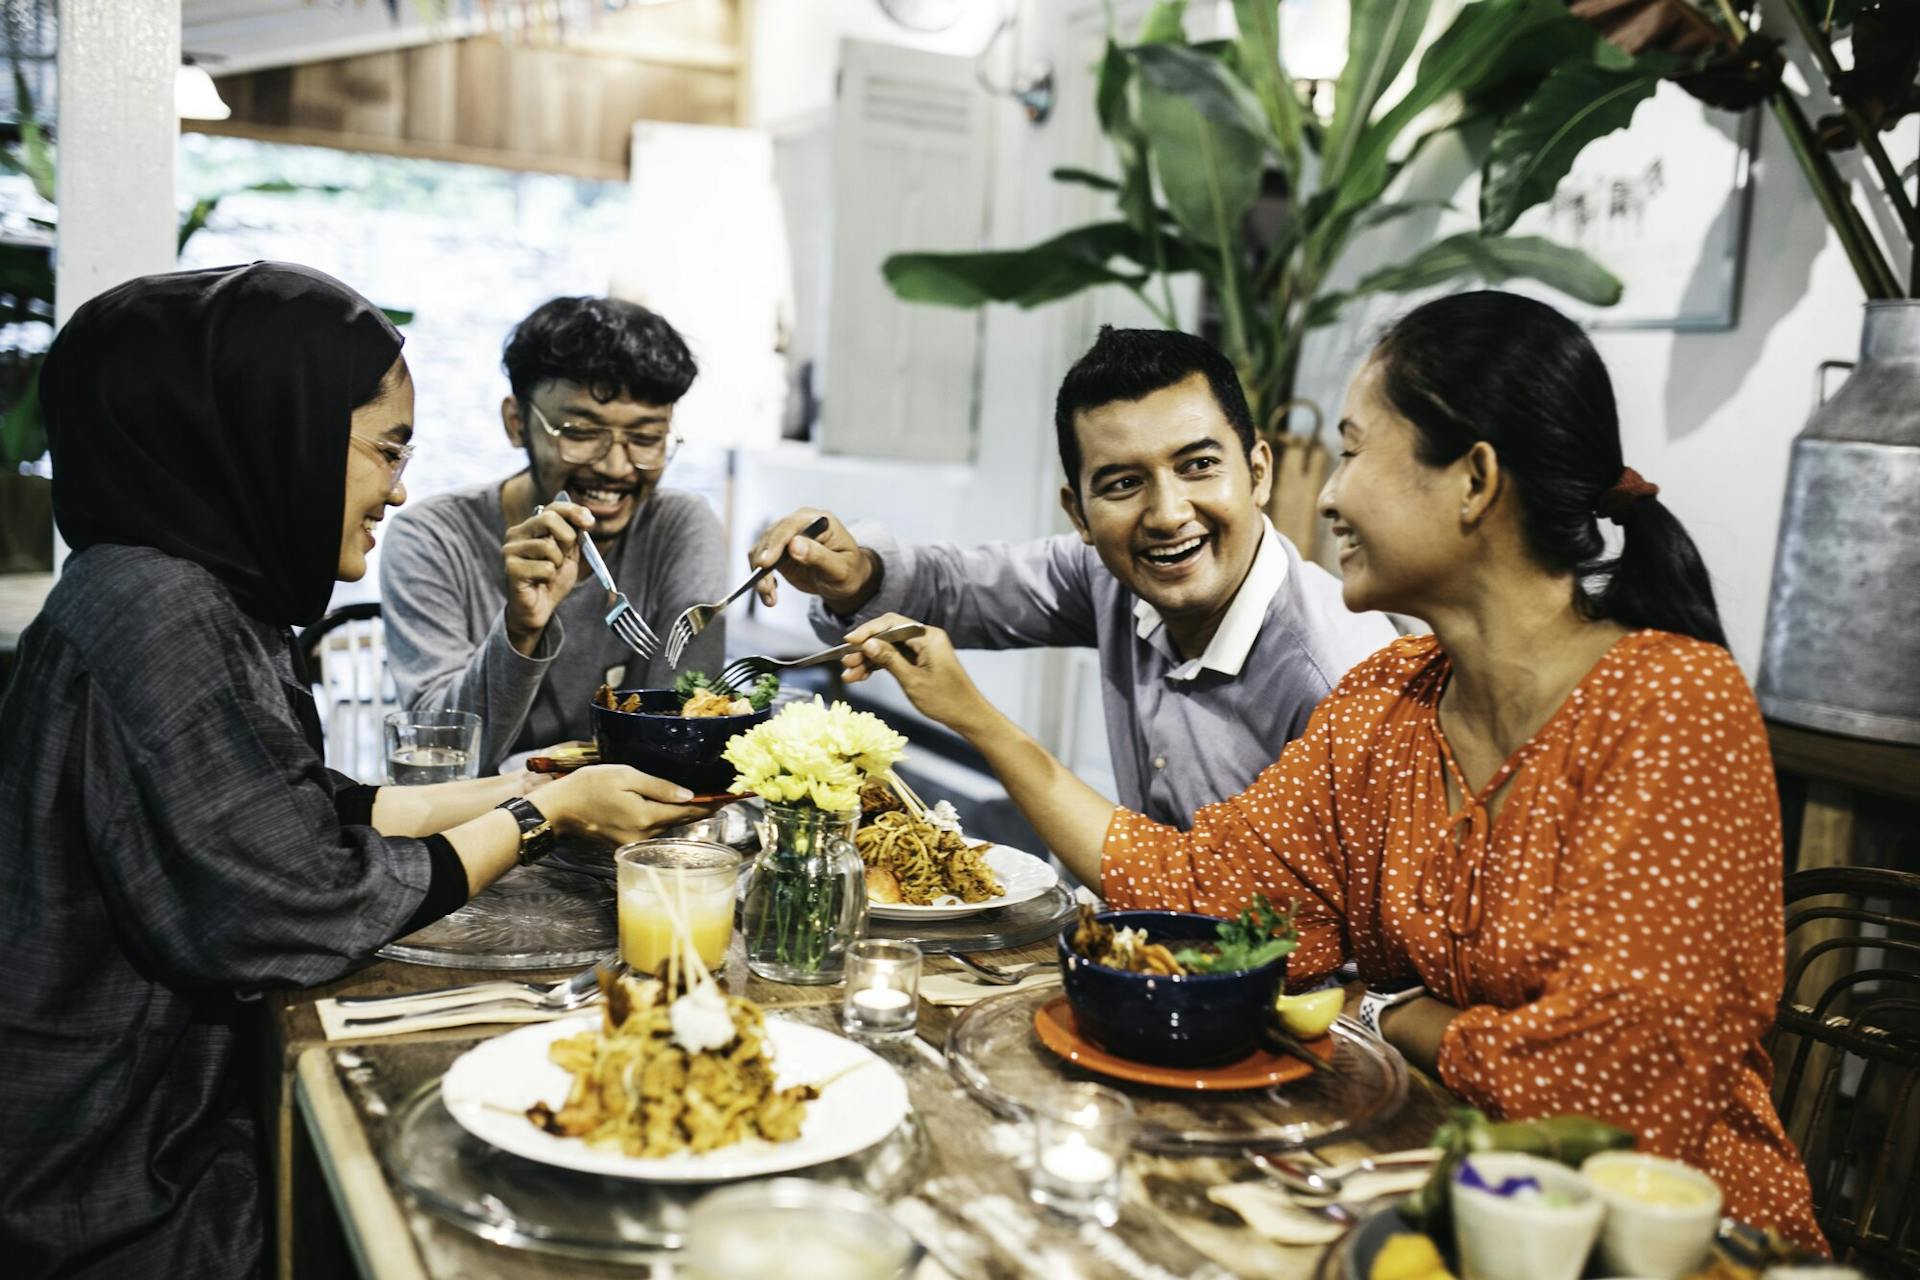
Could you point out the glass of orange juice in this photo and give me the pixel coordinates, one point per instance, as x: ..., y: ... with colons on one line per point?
x: 662, y: 879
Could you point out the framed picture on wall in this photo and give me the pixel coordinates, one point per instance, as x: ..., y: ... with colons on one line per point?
x: 1662, y: 204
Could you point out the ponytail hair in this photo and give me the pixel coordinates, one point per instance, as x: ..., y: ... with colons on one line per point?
x: 1496, y: 367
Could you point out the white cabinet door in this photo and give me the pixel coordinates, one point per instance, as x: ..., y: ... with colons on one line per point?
x: 911, y: 153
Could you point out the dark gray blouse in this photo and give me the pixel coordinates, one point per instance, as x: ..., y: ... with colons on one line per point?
x: 170, y: 844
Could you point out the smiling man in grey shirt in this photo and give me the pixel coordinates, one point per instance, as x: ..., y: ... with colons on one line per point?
x: 488, y: 607
x: 1216, y: 637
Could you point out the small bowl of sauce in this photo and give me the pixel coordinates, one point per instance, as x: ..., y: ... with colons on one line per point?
x: 1661, y: 1214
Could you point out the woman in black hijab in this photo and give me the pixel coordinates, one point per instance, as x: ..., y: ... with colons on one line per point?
x: 224, y: 443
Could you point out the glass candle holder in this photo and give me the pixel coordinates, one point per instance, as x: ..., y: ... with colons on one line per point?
x: 794, y: 1229
x: 1081, y: 1134
x: 659, y: 879
x: 883, y: 989
x: 431, y: 746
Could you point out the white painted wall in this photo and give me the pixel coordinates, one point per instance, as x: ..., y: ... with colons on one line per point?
x: 1710, y: 417
x: 117, y: 135
x: 1008, y: 491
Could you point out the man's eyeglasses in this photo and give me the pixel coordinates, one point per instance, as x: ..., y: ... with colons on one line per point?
x: 576, y: 442
x: 393, y: 456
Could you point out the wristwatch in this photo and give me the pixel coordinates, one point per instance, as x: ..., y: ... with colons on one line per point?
x: 1378, y: 1000
x: 536, y: 830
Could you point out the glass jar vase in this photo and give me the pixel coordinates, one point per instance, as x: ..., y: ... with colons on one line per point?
x: 806, y: 897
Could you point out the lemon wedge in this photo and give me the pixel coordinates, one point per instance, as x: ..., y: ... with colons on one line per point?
x: 1310, y: 1014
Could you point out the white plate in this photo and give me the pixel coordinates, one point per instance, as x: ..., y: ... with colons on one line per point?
x: 1021, y: 875
x: 489, y: 1087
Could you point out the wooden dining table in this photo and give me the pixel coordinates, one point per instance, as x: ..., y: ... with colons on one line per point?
x: 338, y: 1207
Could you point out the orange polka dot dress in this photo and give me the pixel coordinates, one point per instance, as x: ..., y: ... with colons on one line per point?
x: 1613, y: 933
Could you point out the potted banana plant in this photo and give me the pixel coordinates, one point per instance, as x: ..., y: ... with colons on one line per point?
x: 1197, y: 128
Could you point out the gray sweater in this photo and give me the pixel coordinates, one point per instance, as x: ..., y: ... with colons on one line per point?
x: 443, y: 588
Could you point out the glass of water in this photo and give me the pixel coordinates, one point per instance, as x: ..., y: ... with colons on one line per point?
x: 431, y: 746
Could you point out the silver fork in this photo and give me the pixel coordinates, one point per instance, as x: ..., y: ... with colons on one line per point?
x: 627, y: 626
x: 581, y: 989
x: 741, y: 670
x: 998, y: 975
x: 694, y: 619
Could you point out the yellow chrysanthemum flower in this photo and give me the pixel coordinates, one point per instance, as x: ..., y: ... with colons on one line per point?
x: 814, y: 754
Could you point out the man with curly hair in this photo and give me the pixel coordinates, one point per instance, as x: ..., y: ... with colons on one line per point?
x: 488, y: 605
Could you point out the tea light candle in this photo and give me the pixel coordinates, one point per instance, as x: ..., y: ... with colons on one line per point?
x: 883, y: 983
x: 1081, y: 1133
x: 882, y: 1002
x: 1076, y: 1164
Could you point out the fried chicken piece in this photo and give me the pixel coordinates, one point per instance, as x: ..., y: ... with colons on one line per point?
x: 882, y: 886
x: 876, y: 798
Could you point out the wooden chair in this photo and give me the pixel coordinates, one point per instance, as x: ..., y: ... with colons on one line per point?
x: 346, y: 657
x: 1846, y: 1052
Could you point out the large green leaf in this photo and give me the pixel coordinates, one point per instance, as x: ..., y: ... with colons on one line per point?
x: 1492, y: 259
x: 1215, y: 91
x: 1381, y: 36
x: 1535, y: 146
x: 1490, y: 43
x: 1029, y: 277
x: 1210, y: 175
x: 1261, y: 66
x: 1113, y: 102
x: 1208, y: 171
x: 1086, y: 178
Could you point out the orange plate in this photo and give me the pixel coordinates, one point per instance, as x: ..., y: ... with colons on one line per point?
x: 1060, y: 1031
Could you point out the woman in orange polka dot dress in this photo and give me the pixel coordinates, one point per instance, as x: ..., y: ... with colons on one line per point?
x: 1556, y: 812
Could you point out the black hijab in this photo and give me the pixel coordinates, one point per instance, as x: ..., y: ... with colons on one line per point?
x: 205, y: 413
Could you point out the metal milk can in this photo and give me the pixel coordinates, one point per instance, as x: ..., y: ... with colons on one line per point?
x: 1842, y: 650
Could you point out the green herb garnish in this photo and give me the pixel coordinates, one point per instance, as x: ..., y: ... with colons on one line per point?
x: 760, y: 695
x: 690, y: 681
x: 1257, y: 936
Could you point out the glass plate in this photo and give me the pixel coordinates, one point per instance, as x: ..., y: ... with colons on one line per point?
x: 503, y: 1198
x: 994, y: 1052
x: 1012, y: 926
x: 538, y: 917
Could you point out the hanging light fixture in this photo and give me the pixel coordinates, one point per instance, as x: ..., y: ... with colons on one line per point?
x: 194, y: 94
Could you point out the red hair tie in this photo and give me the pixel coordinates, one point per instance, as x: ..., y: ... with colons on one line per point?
x: 1627, y: 490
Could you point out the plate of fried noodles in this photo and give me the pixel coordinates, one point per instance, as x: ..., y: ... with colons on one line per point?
x: 919, y: 871
x: 617, y: 1092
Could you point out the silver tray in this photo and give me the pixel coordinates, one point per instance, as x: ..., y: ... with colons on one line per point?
x: 993, y: 1051
x: 1017, y: 925
x: 524, y: 1204
x: 539, y: 917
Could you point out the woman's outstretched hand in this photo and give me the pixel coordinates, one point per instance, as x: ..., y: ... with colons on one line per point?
x: 615, y: 804
x: 927, y: 668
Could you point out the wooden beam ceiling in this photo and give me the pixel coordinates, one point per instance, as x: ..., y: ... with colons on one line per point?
x: 564, y: 106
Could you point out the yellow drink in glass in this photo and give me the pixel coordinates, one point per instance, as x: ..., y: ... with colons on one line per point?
x: 661, y: 880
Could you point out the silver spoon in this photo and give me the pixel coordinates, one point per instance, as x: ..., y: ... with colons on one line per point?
x: 999, y: 975
x: 1326, y: 1179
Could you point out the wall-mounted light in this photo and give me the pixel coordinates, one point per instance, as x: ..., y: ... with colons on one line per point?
x: 1032, y: 88
x: 194, y: 95
x: 1313, y: 40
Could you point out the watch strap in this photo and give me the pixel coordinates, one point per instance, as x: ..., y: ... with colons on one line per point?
x: 1374, y: 1003
x: 536, y: 830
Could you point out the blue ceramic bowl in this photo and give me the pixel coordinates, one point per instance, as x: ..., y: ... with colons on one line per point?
x: 1176, y: 1022
x: 678, y: 748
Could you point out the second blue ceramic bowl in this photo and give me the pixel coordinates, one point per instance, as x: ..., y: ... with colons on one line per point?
x: 678, y: 748
x: 1177, y: 1022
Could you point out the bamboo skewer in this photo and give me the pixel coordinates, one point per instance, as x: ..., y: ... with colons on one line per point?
x: 682, y: 935
x: 915, y: 805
